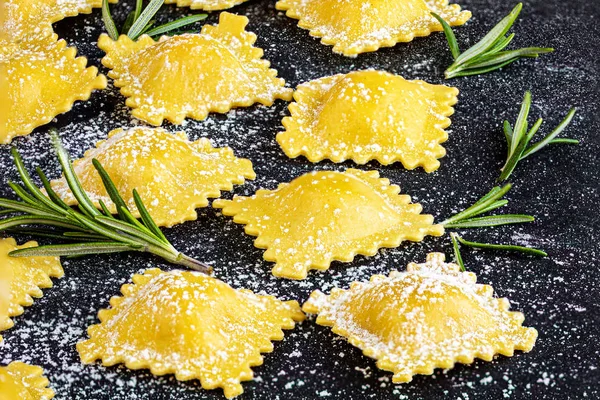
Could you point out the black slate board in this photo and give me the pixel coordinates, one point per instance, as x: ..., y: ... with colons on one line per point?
x: 559, y: 295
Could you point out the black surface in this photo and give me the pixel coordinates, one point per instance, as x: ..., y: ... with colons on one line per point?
x: 559, y: 295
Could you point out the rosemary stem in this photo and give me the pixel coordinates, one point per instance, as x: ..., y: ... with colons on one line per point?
x: 192, y: 263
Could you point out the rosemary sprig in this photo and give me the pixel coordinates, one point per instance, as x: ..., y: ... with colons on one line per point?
x: 139, y: 21
x: 92, y: 230
x: 518, y: 138
x: 488, y: 54
x: 456, y: 239
x: 469, y: 218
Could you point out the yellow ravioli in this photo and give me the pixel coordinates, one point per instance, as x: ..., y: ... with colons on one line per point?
x: 207, y: 5
x: 191, y: 75
x: 41, y: 79
x: 369, y: 115
x: 359, y: 26
x: 19, y: 381
x: 28, y: 275
x: 172, y: 175
x: 430, y: 316
x: 325, y: 216
x: 20, y: 19
x: 190, y: 325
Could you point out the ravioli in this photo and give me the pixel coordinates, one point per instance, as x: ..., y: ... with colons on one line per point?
x: 191, y: 325
x: 430, y: 316
x: 359, y: 26
x: 191, y: 75
x: 21, y: 19
x: 23, y: 382
x: 172, y: 175
x: 369, y: 115
x: 41, y: 79
x: 206, y: 5
x: 27, y: 275
x: 325, y: 216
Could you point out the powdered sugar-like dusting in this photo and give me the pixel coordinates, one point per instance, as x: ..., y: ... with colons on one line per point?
x: 559, y: 294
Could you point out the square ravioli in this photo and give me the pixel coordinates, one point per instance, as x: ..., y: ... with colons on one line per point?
x: 359, y: 26
x: 324, y: 216
x: 173, y: 175
x: 191, y: 75
x: 40, y: 79
x: 190, y: 325
x: 369, y: 115
x: 431, y: 316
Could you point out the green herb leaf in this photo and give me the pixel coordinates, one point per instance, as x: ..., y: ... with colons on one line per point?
x: 475, y: 71
x: 85, y: 204
x: 139, y: 4
x: 518, y: 140
x: 111, y: 189
x: 17, y: 206
x: 24, y: 195
x: 488, y: 54
x: 468, y: 218
x: 494, y: 36
x: 505, y: 57
x: 502, y: 43
x: 53, y: 234
x: 49, y: 191
x: 457, y: 256
x: 148, y: 221
x: 492, y: 220
x: 140, y: 23
x: 128, y: 22
x: 35, y: 219
x: 508, y: 131
x: 557, y: 131
x: 174, y: 25
x: 97, y: 232
x: 34, y: 194
x: 79, y: 249
x: 503, y: 247
x: 564, y: 141
x: 449, y: 36
x: 109, y: 23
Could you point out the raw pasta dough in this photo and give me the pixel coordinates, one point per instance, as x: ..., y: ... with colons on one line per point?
x: 325, y: 216
x: 40, y: 79
x: 190, y: 325
x: 369, y: 115
x: 172, y: 175
x: 20, y: 19
x: 358, y: 26
x: 26, y: 276
x: 430, y: 316
x: 191, y: 75
x: 19, y: 381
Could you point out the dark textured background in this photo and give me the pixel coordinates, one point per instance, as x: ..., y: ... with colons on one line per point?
x: 559, y: 295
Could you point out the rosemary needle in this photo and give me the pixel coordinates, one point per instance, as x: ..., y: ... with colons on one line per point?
x: 92, y: 231
x: 470, y: 217
x: 139, y: 21
x: 457, y: 240
x: 457, y: 256
x: 518, y: 138
x: 507, y: 247
x: 488, y: 54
